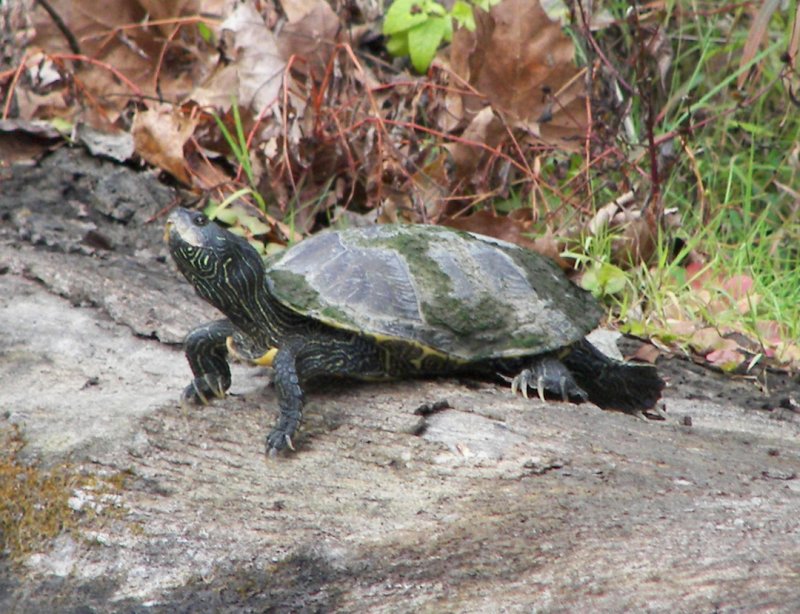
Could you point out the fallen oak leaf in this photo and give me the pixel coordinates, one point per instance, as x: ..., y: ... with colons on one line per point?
x: 485, y: 128
x: 159, y: 134
x: 521, y: 62
x: 312, y: 38
x: 251, y: 66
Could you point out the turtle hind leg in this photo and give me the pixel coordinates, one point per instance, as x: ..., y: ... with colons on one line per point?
x: 611, y: 384
x: 548, y: 375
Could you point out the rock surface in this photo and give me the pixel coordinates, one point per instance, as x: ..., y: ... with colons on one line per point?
x: 492, y: 504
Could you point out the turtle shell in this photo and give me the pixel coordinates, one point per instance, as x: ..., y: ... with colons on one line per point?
x: 467, y: 296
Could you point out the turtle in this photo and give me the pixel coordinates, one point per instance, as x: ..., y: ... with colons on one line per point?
x: 393, y: 301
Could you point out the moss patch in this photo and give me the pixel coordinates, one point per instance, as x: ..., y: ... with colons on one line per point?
x: 295, y: 291
x: 34, y: 501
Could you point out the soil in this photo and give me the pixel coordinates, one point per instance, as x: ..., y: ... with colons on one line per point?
x: 489, y: 503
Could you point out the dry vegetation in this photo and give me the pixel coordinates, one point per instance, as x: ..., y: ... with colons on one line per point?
x: 646, y: 142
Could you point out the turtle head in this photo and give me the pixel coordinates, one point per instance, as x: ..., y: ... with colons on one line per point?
x: 224, y: 269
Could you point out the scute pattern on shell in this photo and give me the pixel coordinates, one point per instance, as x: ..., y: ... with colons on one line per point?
x: 465, y: 295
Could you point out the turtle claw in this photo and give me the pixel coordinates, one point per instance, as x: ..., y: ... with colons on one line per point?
x: 203, y: 389
x: 524, y: 380
x: 652, y: 413
x: 278, y: 440
x: 198, y: 393
x: 520, y: 383
x: 540, y: 388
x: 215, y: 385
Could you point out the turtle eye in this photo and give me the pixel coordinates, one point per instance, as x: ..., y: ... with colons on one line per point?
x: 200, y: 220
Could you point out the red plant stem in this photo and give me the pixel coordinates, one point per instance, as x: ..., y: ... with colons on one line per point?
x: 78, y: 58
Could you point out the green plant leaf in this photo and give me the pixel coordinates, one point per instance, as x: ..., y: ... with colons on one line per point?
x: 397, y: 44
x: 462, y: 13
x: 424, y: 40
x: 752, y: 128
x: 404, y: 15
x: 205, y: 32
x: 434, y: 9
x: 448, y: 33
x: 604, y: 279
x: 485, y: 5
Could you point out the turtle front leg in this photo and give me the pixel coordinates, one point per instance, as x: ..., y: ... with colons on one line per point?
x: 207, y: 353
x: 299, y: 361
x: 290, y: 400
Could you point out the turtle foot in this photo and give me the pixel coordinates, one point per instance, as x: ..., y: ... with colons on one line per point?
x: 205, y: 388
x: 277, y: 441
x: 548, y: 375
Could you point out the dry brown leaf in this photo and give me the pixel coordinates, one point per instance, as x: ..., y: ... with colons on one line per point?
x: 297, y: 9
x: 636, y: 231
x: 638, y: 239
x: 430, y: 186
x: 25, y: 140
x: 681, y: 328
x: 487, y: 223
x: 738, y: 286
x: 114, y: 34
x: 604, y: 216
x: 50, y: 105
x: 251, y: 71
x: 646, y: 353
x: 770, y: 331
x: 522, y: 64
x: 312, y: 39
x: 659, y: 47
x: 485, y: 128
x: 707, y: 339
x: 788, y: 353
x: 794, y: 43
x: 726, y: 359
x: 758, y: 31
x: 159, y: 134
x: 508, y: 229
x: 207, y: 174
x: 167, y: 10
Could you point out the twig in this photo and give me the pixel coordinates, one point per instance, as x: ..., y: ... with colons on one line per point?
x: 646, y: 95
x: 73, y: 43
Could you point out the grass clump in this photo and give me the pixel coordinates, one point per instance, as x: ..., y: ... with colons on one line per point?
x: 710, y: 149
